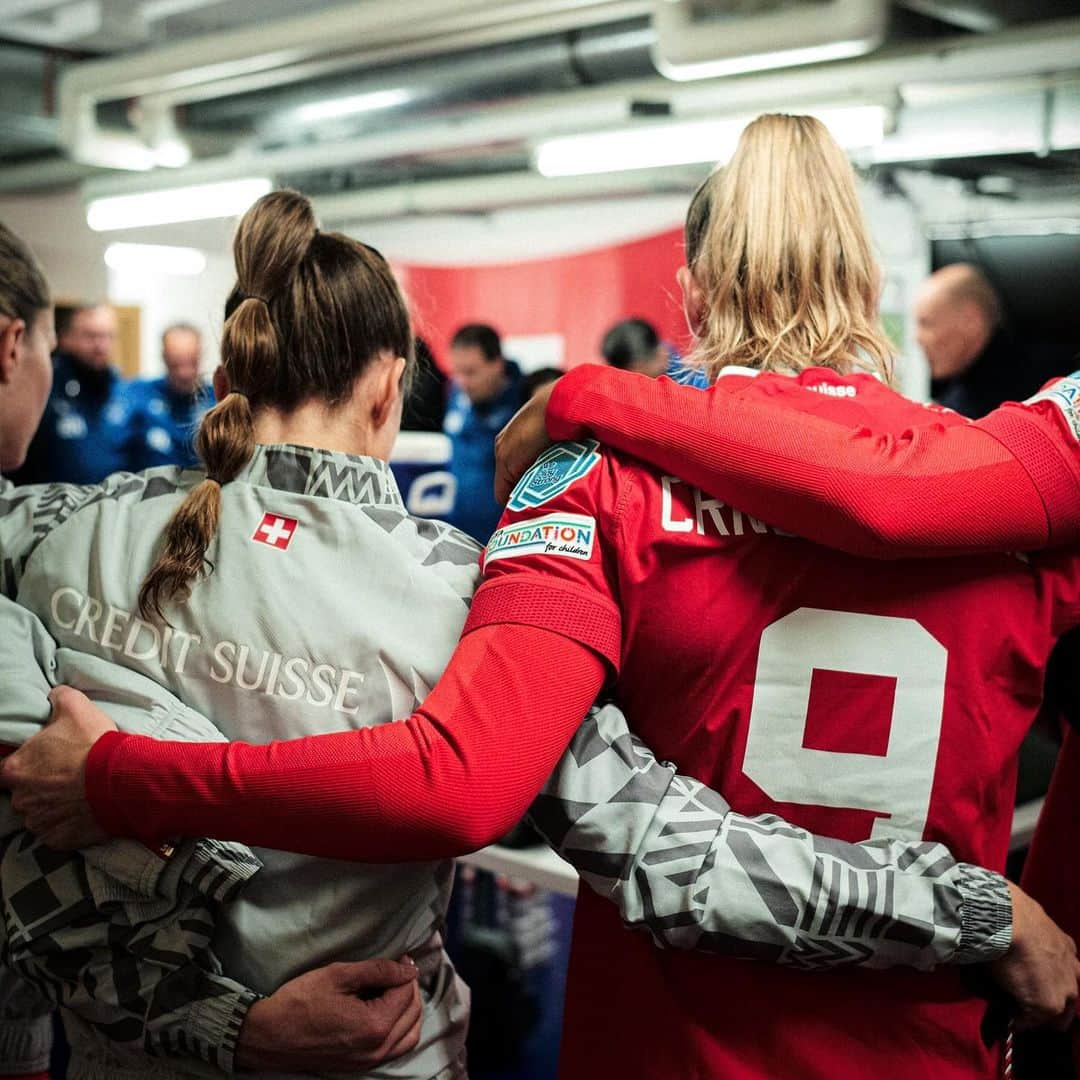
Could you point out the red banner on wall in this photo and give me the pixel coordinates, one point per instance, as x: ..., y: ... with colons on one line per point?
x: 575, y: 296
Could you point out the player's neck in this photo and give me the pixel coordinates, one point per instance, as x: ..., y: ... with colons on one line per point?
x: 317, y: 425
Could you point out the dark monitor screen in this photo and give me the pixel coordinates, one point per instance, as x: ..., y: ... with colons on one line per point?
x: 1038, y: 280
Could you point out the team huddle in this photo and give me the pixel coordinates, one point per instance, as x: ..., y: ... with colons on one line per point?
x: 719, y: 649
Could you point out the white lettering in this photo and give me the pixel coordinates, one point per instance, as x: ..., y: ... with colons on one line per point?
x: 241, y: 668
x: 115, y: 620
x: 321, y: 684
x: 55, y: 606
x: 226, y: 665
x: 343, y: 689
x: 712, y: 507
x: 189, y: 640
x: 87, y: 620
x: 130, y: 646
x: 290, y: 670
x: 166, y: 639
x: 271, y: 679
x: 668, y: 523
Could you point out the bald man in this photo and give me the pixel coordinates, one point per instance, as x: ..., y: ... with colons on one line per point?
x: 975, y: 364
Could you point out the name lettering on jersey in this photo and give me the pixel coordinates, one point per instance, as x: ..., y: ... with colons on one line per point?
x: 1065, y: 394
x: 686, y: 509
x: 555, y: 470
x: 569, y: 536
x: 229, y: 662
x: 275, y: 531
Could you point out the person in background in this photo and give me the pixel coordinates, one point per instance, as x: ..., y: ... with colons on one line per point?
x: 634, y: 345
x: 487, y: 391
x: 539, y: 378
x: 975, y: 363
x: 166, y: 411
x: 425, y: 404
x: 85, y: 434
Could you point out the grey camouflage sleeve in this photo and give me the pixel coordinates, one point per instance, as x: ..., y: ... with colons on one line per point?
x: 127, y: 946
x: 118, y: 934
x: 677, y: 861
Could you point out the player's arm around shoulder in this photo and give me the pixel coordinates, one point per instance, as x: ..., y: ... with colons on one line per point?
x: 553, y: 560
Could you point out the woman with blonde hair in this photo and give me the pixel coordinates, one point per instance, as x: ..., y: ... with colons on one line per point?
x: 794, y: 680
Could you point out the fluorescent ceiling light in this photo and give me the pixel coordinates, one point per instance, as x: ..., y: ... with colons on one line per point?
x: 155, y: 259
x: 349, y: 106
x: 172, y: 153
x: 688, y: 142
x: 195, y: 203
x: 740, y: 65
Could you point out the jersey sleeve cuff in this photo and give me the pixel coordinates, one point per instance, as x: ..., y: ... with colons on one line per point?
x: 214, y: 1025
x: 99, y: 765
x: 556, y: 606
x: 1037, y: 447
x: 985, y: 915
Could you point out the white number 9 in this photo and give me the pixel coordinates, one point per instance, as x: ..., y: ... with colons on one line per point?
x: 896, y: 785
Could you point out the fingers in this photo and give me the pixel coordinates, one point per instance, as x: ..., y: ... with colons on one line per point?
x: 404, y: 1029
x: 65, y: 699
x: 374, y: 974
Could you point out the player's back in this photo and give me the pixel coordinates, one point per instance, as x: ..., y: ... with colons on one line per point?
x: 859, y: 699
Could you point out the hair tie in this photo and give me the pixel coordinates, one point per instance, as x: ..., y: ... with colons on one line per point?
x: 251, y: 296
x: 215, y: 482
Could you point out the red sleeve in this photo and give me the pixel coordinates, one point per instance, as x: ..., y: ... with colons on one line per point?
x: 453, y: 777
x: 1052, y: 872
x: 553, y: 561
x: 1008, y: 482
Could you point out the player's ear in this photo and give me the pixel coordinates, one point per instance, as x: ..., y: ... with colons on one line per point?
x: 387, y: 389
x: 11, y: 339
x: 693, y: 299
x: 222, y: 383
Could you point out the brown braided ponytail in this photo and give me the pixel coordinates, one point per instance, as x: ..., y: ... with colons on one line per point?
x: 308, y: 313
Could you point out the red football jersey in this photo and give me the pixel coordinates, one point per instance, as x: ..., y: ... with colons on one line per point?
x: 856, y: 698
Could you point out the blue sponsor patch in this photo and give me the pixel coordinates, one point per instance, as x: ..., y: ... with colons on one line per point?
x: 1065, y: 394
x: 555, y: 470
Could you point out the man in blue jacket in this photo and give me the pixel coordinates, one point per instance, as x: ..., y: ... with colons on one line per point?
x: 86, y: 433
x: 487, y: 391
x: 167, y: 410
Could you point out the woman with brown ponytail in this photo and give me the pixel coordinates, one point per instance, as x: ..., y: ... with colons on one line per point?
x: 289, y: 593
x: 124, y: 1004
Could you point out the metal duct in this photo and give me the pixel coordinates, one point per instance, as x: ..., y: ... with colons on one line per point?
x: 1042, y: 49
x: 295, y: 49
x: 732, y: 40
x: 517, y: 69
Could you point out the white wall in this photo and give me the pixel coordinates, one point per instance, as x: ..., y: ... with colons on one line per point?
x: 74, y: 259
x: 167, y: 299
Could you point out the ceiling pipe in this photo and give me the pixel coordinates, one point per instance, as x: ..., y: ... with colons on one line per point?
x: 494, y: 192
x: 293, y: 49
x: 734, y: 42
x: 1045, y: 48
x: 964, y: 14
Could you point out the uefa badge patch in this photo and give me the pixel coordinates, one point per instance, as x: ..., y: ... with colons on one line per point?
x: 276, y: 531
x: 555, y: 470
x: 1065, y: 394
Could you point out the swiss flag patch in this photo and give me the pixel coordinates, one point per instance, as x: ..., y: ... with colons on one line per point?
x: 275, y: 531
